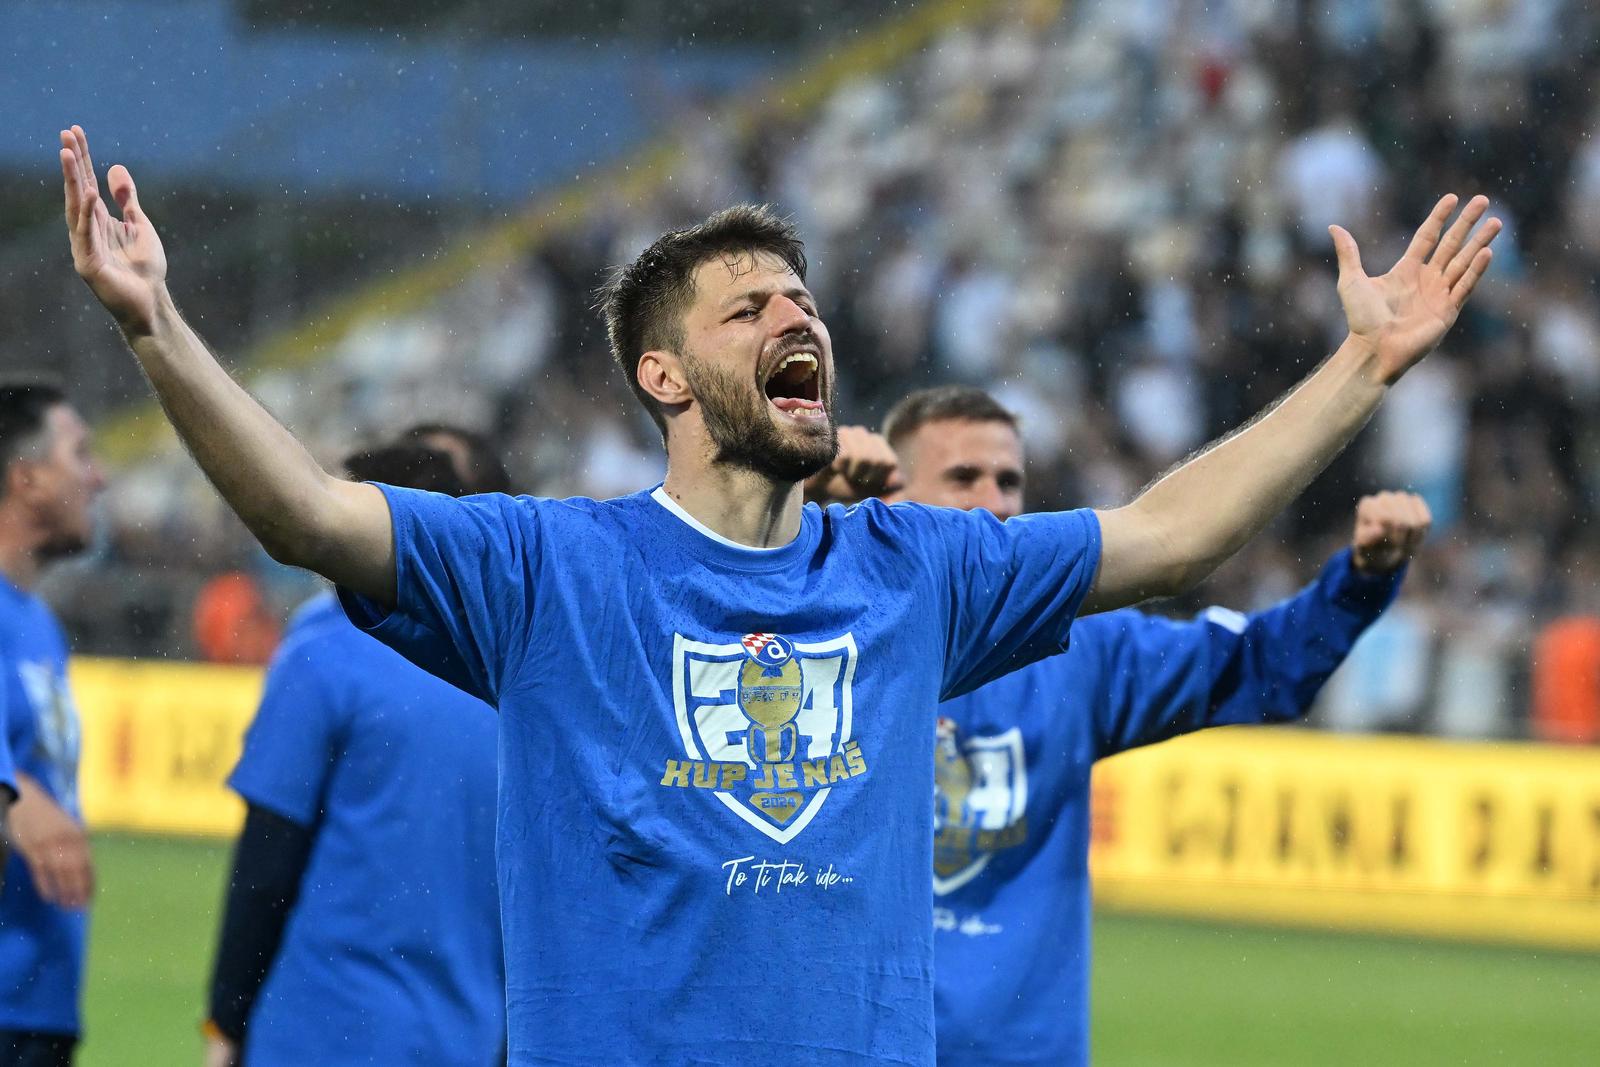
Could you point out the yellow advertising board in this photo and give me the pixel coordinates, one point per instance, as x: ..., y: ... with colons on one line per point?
x: 159, y: 740
x: 1479, y: 840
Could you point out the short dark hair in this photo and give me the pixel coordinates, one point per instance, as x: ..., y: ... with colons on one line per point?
x: 24, y: 404
x: 941, y: 404
x: 486, y: 471
x: 644, y: 302
x: 409, y: 466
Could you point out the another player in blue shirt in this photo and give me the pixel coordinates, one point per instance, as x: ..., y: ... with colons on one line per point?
x: 48, y: 480
x: 1011, y: 849
x: 716, y: 703
x: 362, y: 923
x: 8, y: 787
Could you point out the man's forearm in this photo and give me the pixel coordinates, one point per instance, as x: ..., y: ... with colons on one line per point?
x: 258, y: 467
x: 293, y: 507
x: 269, y: 864
x: 1207, y: 509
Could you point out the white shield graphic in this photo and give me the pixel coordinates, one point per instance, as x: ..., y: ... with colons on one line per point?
x: 713, y: 727
x: 980, y: 792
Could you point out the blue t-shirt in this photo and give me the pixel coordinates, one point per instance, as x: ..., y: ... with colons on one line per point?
x: 41, y: 946
x: 1011, y: 844
x: 715, y: 761
x: 391, y: 954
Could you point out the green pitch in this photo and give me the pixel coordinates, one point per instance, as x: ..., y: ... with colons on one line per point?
x: 1166, y: 992
x: 1175, y: 993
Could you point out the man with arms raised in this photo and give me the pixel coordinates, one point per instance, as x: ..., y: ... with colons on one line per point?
x: 1010, y: 860
x: 48, y: 479
x: 715, y: 703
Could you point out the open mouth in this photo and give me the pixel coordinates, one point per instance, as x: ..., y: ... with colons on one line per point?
x: 795, y: 386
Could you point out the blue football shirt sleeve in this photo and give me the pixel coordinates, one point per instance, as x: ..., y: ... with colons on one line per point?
x: 1159, y: 678
x: 464, y: 587
x: 294, y: 741
x: 1011, y: 588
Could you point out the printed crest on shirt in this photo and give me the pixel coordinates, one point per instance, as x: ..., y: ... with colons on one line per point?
x: 57, y: 736
x: 766, y: 726
x: 980, y: 802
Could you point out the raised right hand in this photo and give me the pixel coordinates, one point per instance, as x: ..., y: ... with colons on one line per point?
x: 121, y: 260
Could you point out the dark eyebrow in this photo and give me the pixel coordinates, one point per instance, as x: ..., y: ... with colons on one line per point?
x: 795, y: 293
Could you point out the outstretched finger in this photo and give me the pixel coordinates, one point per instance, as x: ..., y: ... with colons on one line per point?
x: 69, y: 183
x: 1344, y: 246
x: 1463, y: 288
x: 1427, y: 234
x: 1463, y: 259
x: 120, y: 182
x: 1456, y: 236
x: 82, y: 140
x: 87, y: 187
x: 88, y: 184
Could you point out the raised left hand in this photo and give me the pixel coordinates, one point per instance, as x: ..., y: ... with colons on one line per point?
x: 1404, y: 314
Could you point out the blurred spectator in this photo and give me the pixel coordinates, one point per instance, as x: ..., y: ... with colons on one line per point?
x: 1385, y: 681
x: 1566, y: 661
x: 1566, y: 681
x: 1331, y: 173
x: 232, y: 623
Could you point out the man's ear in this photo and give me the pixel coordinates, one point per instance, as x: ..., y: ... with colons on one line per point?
x: 661, y: 376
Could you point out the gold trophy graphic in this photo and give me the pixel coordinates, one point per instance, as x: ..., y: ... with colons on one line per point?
x: 769, y: 696
x: 771, y: 692
x: 952, y: 814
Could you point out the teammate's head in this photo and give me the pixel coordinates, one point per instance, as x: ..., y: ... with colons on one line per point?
x: 50, y: 475
x: 720, y: 339
x: 408, y: 465
x: 475, y: 459
x: 958, y: 448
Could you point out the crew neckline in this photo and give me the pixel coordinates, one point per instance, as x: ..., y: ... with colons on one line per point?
x: 705, y: 544
x: 662, y: 497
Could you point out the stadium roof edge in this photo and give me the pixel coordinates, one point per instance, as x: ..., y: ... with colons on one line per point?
x: 135, y: 434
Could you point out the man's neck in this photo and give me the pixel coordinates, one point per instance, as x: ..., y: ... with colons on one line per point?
x: 19, y: 562
x: 737, y: 503
x: 21, y: 540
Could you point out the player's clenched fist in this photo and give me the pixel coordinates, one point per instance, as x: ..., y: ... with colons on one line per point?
x: 121, y: 259
x: 865, y: 466
x: 1389, y: 528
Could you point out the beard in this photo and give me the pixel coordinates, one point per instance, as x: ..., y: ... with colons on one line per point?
x: 744, y: 433
x: 62, y: 544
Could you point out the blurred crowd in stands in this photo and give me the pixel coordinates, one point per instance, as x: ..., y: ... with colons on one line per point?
x: 1113, y: 214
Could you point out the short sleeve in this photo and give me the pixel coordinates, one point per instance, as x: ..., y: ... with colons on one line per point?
x: 293, y: 743
x: 1012, y: 588
x: 464, y: 572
